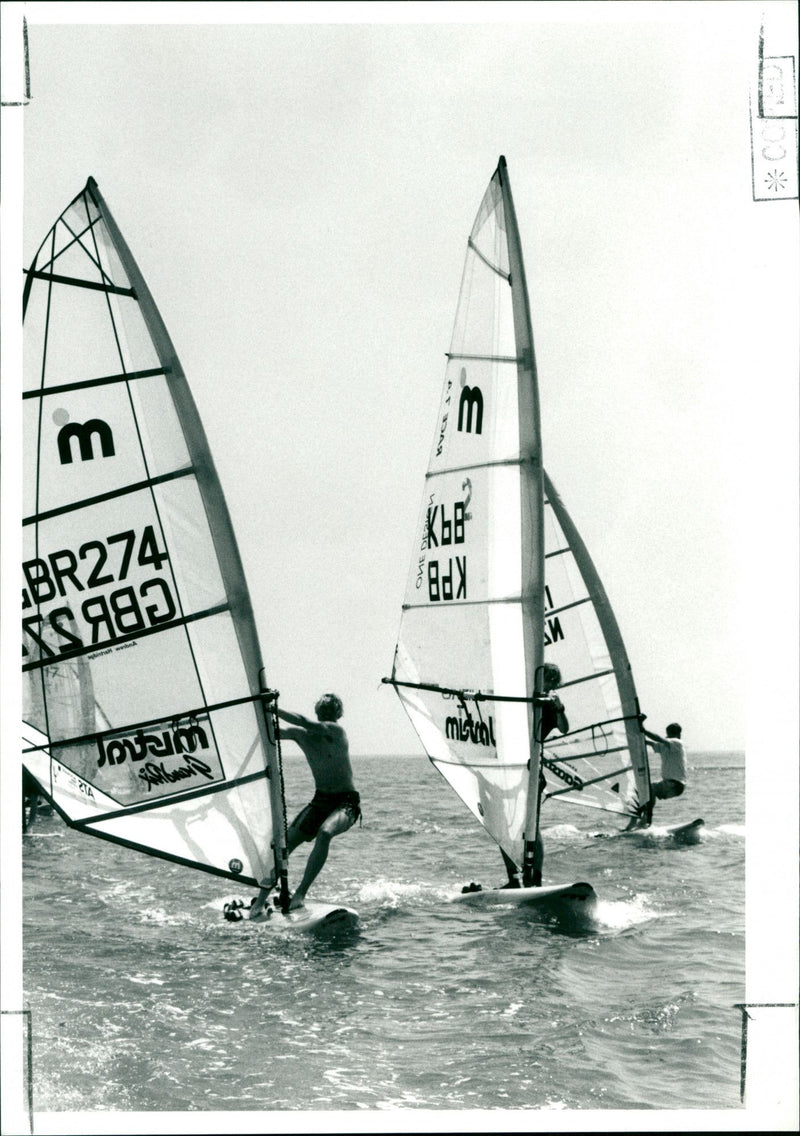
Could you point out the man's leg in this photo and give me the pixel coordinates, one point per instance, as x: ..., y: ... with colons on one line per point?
x: 338, y: 821
x: 538, y: 860
x: 294, y: 837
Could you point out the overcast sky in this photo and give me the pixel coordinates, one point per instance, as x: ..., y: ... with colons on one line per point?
x: 298, y: 197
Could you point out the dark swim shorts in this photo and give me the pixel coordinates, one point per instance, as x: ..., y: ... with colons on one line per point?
x: 663, y: 790
x: 314, y: 815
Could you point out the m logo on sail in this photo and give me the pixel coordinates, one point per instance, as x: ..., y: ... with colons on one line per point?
x: 85, y: 432
x: 471, y: 399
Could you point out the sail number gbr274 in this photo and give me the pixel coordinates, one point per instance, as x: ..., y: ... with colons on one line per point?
x: 82, y: 598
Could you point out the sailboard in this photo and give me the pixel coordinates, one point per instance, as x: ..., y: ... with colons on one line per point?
x: 686, y: 832
x: 142, y: 672
x: 470, y: 651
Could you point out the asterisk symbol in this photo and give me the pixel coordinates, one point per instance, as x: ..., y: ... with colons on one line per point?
x: 775, y: 181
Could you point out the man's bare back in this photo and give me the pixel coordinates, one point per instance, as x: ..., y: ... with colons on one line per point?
x: 326, y: 749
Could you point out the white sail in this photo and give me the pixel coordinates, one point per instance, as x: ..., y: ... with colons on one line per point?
x: 142, y: 665
x: 602, y: 761
x: 470, y: 642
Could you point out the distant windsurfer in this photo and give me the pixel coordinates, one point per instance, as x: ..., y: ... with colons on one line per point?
x: 552, y: 717
x: 673, y: 771
x: 335, y: 806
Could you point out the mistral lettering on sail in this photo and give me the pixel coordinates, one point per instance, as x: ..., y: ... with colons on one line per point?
x: 101, y: 607
x: 157, y: 760
x: 468, y: 730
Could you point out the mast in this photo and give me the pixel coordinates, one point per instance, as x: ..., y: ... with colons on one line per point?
x: 532, y: 508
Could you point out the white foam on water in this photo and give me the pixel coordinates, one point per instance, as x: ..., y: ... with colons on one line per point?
x: 563, y: 832
x: 393, y: 893
x: 619, y: 915
x: 731, y: 830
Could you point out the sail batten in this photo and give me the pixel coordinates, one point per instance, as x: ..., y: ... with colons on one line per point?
x: 96, y: 285
x: 518, y: 461
x: 494, y: 267
x: 99, y: 382
x: 123, y: 491
x: 141, y: 664
x: 515, y: 359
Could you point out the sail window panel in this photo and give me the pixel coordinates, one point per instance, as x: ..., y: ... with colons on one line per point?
x: 503, y: 546
x: 489, y: 228
x: 84, y: 250
x: 193, y: 557
x: 484, y: 320
x: 33, y: 700
x: 496, y: 797
x: 88, y: 445
x: 239, y: 741
x: 66, y: 691
x: 451, y: 650
x: 137, y: 350
x: 511, y: 722
x: 218, y: 659
x: 479, y: 419
x: 77, y: 251
x: 151, y: 677
x: 160, y: 430
x: 468, y: 540
x: 80, y: 342
x: 111, y: 573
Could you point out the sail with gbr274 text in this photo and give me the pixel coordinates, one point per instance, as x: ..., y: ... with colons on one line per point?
x: 144, y: 721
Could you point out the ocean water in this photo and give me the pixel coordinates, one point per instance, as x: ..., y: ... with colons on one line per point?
x: 143, y: 998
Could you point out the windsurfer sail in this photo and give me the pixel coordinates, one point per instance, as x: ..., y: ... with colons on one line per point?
x: 471, y: 632
x: 501, y: 582
x: 141, y: 661
x: 602, y: 761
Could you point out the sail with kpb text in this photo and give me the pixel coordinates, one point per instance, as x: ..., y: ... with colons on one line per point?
x: 470, y: 648
x: 501, y: 582
x: 142, y: 668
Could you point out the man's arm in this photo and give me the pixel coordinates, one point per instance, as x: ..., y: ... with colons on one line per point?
x: 299, y: 720
x: 562, y: 721
x: 654, y: 737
